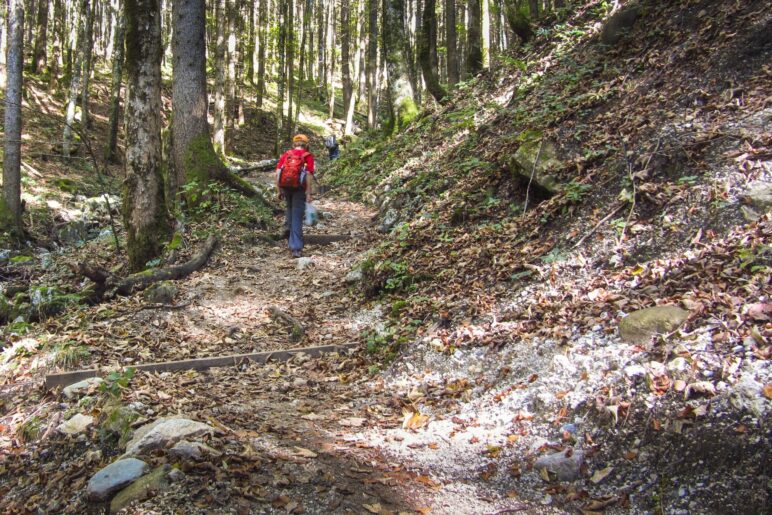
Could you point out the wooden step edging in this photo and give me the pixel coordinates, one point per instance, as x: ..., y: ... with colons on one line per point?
x: 67, y: 378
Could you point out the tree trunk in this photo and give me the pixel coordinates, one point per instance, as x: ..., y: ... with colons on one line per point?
x: 451, y: 41
x: 281, y: 78
x: 474, y: 61
x: 75, y: 81
x: 56, y: 48
x: 231, y: 58
x: 345, y: 52
x: 219, y: 81
x: 88, y: 54
x: 424, y: 52
x: 144, y: 207
x: 10, y: 203
x: 485, y: 24
x: 400, y: 88
x: 372, y: 63
x: 517, y: 21
x: 39, y: 54
x: 331, y: 60
x: 115, y: 93
x: 290, y: 50
x: 262, y: 31
x: 250, y: 50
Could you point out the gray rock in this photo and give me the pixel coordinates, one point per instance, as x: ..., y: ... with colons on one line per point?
x: 564, y: 467
x: 114, y: 477
x: 758, y: 195
x: 641, y: 325
x: 141, y: 489
x: 305, y: 263
x: 73, y: 233
x: 76, y: 424
x: 390, y: 219
x: 522, y: 161
x: 354, y: 276
x: 747, y: 394
x: 160, y: 293
x: 619, y: 24
x: 164, y: 432
x: 82, y: 387
x: 192, y: 450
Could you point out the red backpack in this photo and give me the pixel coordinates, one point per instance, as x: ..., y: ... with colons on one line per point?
x: 291, y: 175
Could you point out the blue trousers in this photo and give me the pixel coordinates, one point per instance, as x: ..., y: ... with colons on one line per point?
x: 295, y: 201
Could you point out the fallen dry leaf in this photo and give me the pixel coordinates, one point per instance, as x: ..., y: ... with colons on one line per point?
x: 601, y: 474
x: 352, y: 422
x: 372, y: 508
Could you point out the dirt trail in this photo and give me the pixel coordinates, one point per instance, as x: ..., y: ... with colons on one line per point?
x: 299, y: 437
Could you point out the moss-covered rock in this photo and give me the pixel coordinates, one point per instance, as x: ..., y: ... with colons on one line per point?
x: 67, y: 185
x: 143, y: 488
x: 5, y: 310
x: 522, y: 161
x: 641, y: 325
x: 160, y: 293
x: 619, y: 24
x: 49, y: 300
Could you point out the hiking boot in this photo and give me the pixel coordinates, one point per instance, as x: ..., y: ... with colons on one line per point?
x: 296, y: 253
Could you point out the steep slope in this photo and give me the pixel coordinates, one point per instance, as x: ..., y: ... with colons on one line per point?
x: 506, y: 281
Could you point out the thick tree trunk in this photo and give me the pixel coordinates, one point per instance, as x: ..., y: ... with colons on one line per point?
x: 115, y: 93
x: 219, y: 81
x: 10, y: 203
x: 144, y: 207
x: 75, y: 80
x: 55, y: 63
x: 474, y: 61
x: 250, y: 50
x: 400, y: 88
x: 451, y: 41
x: 39, y: 54
x: 517, y: 21
x: 485, y: 25
x: 424, y: 52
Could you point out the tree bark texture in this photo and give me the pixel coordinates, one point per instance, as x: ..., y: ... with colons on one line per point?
x: 400, y: 88
x: 75, y: 80
x: 263, y: 40
x: 144, y: 207
x: 372, y: 63
x: 219, y: 80
x: 39, y: 53
x: 119, y: 32
x: 424, y: 52
x: 474, y: 59
x: 10, y: 204
x: 88, y: 58
x: 451, y: 41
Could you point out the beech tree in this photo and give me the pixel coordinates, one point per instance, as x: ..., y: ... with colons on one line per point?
x: 10, y: 204
x: 144, y: 206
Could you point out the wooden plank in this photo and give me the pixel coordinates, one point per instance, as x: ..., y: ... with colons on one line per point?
x: 67, y: 378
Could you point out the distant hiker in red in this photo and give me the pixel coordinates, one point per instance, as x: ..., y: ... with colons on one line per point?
x: 293, y: 182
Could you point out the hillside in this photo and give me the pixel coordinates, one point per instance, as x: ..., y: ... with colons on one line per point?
x: 467, y: 331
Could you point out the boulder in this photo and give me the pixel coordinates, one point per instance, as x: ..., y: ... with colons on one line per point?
x: 566, y: 465
x: 141, y: 489
x: 81, y: 387
x: 757, y: 200
x: 522, y: 161
x: 619, y: 24
x: 76, y: 424
x: 390, y: 219
x: 73, y: 233
x: 641, y: 325
x: 49, y: 300
x: 164, y: 432
x: 114, y: 477
x: 354, y: 276
x: 160, y: 293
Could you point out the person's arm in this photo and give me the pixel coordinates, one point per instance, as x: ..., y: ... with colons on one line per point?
x: 309, y: 176
x: 279, y: 166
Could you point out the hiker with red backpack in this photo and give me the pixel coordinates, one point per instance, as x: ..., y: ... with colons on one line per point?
x: 293, y: 182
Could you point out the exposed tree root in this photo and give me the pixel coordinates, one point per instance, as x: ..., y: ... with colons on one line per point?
x: 109, y: 285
